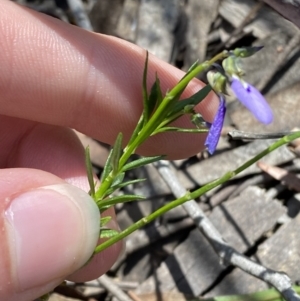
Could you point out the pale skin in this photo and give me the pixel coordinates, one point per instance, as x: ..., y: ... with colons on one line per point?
x: 53, y: 77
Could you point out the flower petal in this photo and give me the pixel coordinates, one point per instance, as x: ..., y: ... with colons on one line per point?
x: 214, y: 133
x: 252, y: 99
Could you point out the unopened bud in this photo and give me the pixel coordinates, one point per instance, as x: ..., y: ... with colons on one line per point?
x: 189, y: 109
x: 246, y: 51
x: 231, y: 66
x: 198, y: 120
x: 217, y: 81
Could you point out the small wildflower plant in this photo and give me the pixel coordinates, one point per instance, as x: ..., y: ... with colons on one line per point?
x: 159, y: 112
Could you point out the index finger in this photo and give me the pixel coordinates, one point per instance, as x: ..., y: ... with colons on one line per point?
x: 58, y: 74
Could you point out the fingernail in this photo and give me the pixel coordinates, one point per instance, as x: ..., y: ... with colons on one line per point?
x: 52, y: 232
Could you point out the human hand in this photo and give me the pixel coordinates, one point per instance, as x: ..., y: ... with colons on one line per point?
x: 55, y: 77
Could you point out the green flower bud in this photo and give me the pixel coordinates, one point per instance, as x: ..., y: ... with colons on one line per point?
x: 217, y: 81
x: 246, y: 51
x: 198, y: 120
x: 232, y: 67
x: 189, y: 109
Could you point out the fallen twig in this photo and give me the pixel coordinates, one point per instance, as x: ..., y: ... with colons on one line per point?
x: 287, y: 178
x: 227, y: 253
x: 113, y: 288
x: 241, y: 135
x: 80, y: 16
x: 290, y: 9
x: 252, y: 13
x: 282, y: 57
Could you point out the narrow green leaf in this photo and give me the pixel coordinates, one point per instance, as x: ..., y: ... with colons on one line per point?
x: 158, y: 88
x: 179, y: 92
x: 104, y: 220
x: 145, y: 93
x: 116, y: 153
x: 155, y: 97
x: 141, y: 162
x: 102, y: 209
x: 107, y: 233
x: 119, y: 199
x: 178, y: 108
x: 193, y: 67
x: 118, y: 179
x: 121, y: 185
x: 107, y: 168
x: 137, y: 129
x: 193, y: 100
x: 168, y: 120
x: 182, y: 130
x: 131, y: 182
x: 89, y: 171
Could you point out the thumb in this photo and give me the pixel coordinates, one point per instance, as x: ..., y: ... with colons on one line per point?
x: 49, y: 230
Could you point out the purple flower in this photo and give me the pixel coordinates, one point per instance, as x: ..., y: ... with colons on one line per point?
x: 252, y: 100
x: 214, y: 133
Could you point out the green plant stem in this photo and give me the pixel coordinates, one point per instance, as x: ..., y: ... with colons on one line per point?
x: 174, y: 129
x: 266, y: 295
x: 157, y: 118
x: 162, y: 110
x: 192, y: 195
x: 169, y: 120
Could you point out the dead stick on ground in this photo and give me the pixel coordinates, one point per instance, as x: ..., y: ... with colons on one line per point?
x: 113, y: 288
x: 80, y: 16
x: 227, y: 253
x: 290, y: 9
x: 240, y: 28
x: 134, y: 296
x: 294, y: 43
